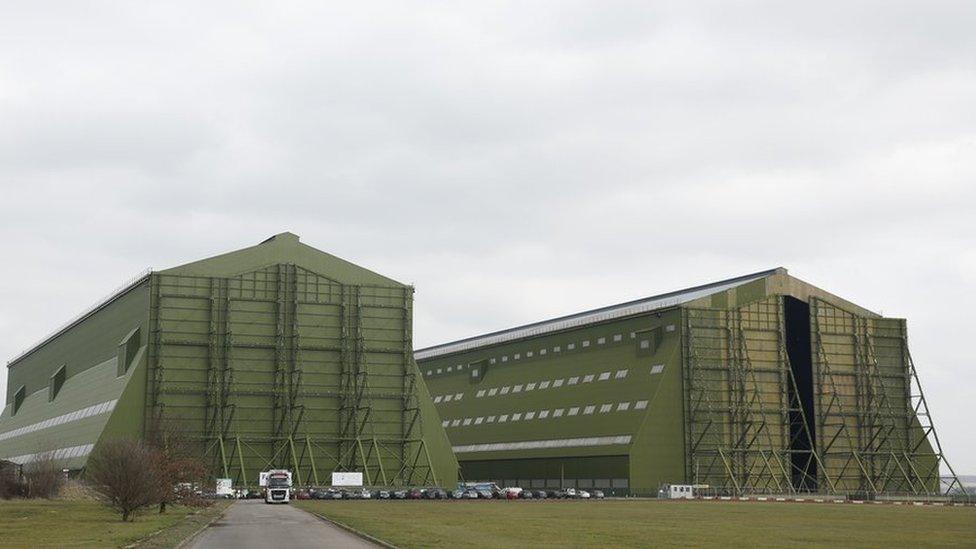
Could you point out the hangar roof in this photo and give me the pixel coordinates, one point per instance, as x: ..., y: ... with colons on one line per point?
x: 621, y: 310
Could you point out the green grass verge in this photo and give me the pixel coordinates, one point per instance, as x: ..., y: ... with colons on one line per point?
x: 650, y: 523
x: 42, y: 523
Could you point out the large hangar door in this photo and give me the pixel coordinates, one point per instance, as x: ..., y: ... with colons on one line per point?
x: 875, y: 434
x: 743, y: 417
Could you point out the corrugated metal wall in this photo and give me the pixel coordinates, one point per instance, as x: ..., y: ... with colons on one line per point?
x: 285, y: 367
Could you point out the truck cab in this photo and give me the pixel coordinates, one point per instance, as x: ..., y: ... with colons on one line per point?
x: 277, y: 485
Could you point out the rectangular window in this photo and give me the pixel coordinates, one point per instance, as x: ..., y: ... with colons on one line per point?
x: 492, y: 361
x: 645, y: 344
x: 474, y: 373
x: 503, y: 418
x: 623, y: 407
x: 437, y: 399
x: 601, y: 341
x: 529, y: 415
x: 439, y: 371
x: 558, y: 412
x: 640, y: 405
x: 517, y: 389
x: 458, y: 396
x: 587, y: 378
x: 447, y: 398
x: 657, y: 369
x: 589, y: 410
x: 604, y: 376
x: 617, y: 337
x: 517, y: 356
x: 620, y: 374
x: 528, y: 354
x: 586, y: 343
x: 544, y: 414
x: 455, y: 423
x: 56, y: 382
x: 556, y: 349
x: 504, y: 390
x: 429, y: 372
x: 467, y: 421
x: 490, y: 419
x: 505, y: 358
x: 493, y: 391
x: 478, y: 420
x: 479, y: 394
x: 19, y: 397
x: 571, y: 346
x: 669, y: 328
x: 516, y: 416
x: 544, y: 384
x: 606, y: 408
x: 530, y: 387
x: 449, y: 368
x: 445, y: 423
x: 574, y: 410
x: 574, y: 380
x: 542, y: 351
x: 557, y: 383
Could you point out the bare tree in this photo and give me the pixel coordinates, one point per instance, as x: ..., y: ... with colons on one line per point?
x: 176, y: 460
x: 122, y: 471
x: 44, y: 475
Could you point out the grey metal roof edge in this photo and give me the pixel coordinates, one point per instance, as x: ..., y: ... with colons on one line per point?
x: 592, y: 316
x: 74, y: 321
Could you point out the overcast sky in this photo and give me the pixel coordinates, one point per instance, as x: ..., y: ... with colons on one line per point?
x: 514, y: 161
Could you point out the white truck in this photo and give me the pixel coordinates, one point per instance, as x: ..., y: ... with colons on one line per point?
x: 277, y: 485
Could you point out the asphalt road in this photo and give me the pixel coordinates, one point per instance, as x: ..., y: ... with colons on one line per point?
x: 252, y: 523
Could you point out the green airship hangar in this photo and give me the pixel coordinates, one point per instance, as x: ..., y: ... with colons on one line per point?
x: 281, y: 355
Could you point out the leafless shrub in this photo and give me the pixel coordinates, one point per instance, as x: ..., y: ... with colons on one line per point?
x: 44, y: 476
x: 11, y: 481
x: 123, y: 473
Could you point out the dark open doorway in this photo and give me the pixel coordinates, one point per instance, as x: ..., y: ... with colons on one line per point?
x: 799, y: 351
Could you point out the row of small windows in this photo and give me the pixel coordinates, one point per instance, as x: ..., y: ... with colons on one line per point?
x: 556, y: 383
x: 447, y: 398
x: 616, y: 338
x: 62, y: 419
x: 59, y: 454
x: 544, y: 414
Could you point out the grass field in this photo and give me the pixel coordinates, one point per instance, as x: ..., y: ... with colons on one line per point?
x: 42, y: 523
x: 650, y: 523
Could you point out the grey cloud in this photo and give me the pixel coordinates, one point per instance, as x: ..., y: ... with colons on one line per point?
x: 514, y: 161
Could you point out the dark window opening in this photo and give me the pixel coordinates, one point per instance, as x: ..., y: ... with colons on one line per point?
x: 799, y: 351
x: 57, y: 381
x: 19, y: 397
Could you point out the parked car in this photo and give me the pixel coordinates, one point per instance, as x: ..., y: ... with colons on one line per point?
x: 457, y: 494
x: 597, y: 494
x: 352, y: 494
x: 401, y: 494
x: 570, y: 493
x: 540, y: 494
x: 415, y: 493
x: 302, y: 494
x: 583, y: 494
x: 526, y: 494
x: 552, y: 493
x: 383, y: 494
x: 484, y: 494
x: 470, y: 494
